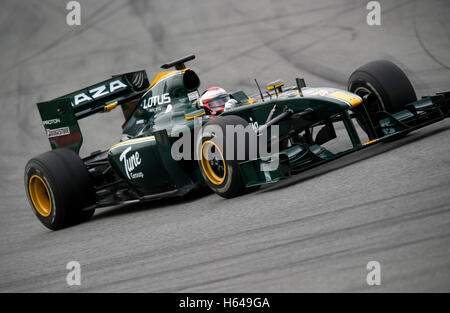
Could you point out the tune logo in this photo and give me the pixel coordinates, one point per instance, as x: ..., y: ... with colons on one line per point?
x: 131, y: 162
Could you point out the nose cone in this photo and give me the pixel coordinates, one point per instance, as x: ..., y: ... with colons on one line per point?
x: 350, y: 98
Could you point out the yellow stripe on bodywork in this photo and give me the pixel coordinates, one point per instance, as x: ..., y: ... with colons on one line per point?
x: 371, y: 141
x: 126, y: 142
x: 271, y: 87
x: 162, y: 75
x: 110, y: 107
x: 353, y: 100
x: 190, y: 117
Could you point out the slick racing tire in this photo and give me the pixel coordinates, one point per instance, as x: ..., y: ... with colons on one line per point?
x: 385, y: 87
x: 59, y: 189
x: 221, y: 174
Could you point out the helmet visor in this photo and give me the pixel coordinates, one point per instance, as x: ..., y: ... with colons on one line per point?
x: 218, y: 101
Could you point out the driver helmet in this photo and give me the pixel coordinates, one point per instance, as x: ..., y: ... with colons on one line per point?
x: 214, y: 100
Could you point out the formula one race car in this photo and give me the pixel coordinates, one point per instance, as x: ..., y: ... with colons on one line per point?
x: 64, y: 189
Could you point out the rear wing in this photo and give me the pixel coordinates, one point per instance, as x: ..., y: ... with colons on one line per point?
x: 60, y: 116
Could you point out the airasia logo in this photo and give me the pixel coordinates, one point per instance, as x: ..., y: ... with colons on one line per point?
x: 98, y: 92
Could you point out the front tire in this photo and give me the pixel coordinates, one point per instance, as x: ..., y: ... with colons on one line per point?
x: 386, y: 81
x: 59, y: 189
x: 384, y: 86
x: 221, y: 174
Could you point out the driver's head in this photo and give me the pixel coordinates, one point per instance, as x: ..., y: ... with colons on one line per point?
x: 214, y: 100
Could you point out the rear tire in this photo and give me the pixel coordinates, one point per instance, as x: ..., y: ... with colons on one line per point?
x: 59, y: 188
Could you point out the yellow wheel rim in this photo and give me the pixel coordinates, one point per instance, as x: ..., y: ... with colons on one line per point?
x: 214, y: 175
x: 40, y: 196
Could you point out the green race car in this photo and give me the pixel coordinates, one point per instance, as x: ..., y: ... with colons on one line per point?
x: 173, y: 144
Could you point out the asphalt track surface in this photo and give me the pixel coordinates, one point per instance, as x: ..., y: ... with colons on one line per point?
x: 314, y: 232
